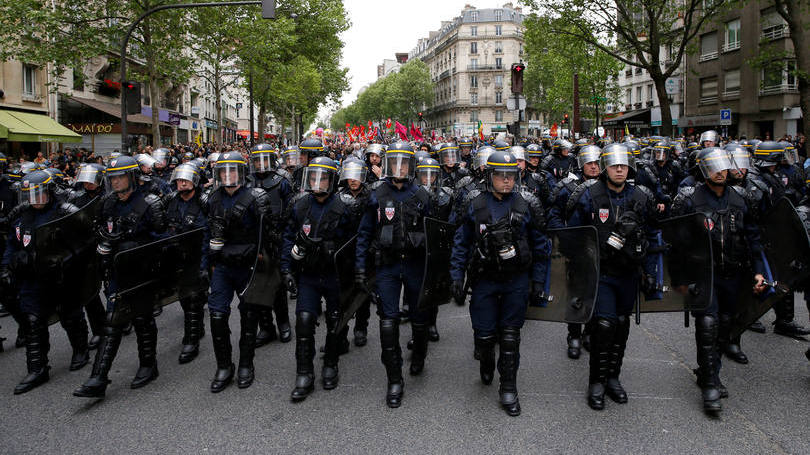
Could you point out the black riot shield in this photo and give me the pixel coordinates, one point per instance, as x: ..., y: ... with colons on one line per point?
x: 166, y: 269
x: 682, y: 266
x: 572, y: 277
x: 352, y: 297
x: 65, y: 256
x: 265, y: 279
x: 438, y: 246
x: 786, y: 248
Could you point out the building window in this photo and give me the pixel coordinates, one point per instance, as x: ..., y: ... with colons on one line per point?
x: 498, y: 14
x: 474, y: 30
x: 498, y: 30
x: 498, y: 97
x: 708, y: 90
x: 628, y: 96
x: 708, y: 46
x: 474, y: 16
x: 731, y: 83
x: 498, y: 47
x: 473, y: 81
x: 29, y: 80
x: 473, y: 63
x: 473, y: 47
x: 732, y: 40
x: 779, y: 79
x: 473, y: 116
x: 498, y: 63
x: 499, y: 81
x: 773, y: 25
x: 473, y: 98
x: 498, y: 116
x: 650, y: 92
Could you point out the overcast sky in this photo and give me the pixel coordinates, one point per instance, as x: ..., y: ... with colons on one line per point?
x: 380, y: 29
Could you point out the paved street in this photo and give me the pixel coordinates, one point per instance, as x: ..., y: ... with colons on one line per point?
x: 447, y: 410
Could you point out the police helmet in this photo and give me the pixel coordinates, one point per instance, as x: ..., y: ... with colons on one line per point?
x: 502, y: 172
x: 186, y: 171
x: 588, y: 154
x: 400, y: 161
x: 710, y: 135
x: 713, y: 160
x: 92, y: 173
x: 353, y: 169
x: 230, y: 170
x: 320, y: 176
x: 36, y: 187
x: 123, y: 166
x: 449, y: 154
x: 428, y: 174
x: 769, y: 153
x: 616, y: 154
x: 263, y: 158
x: 311, y: 147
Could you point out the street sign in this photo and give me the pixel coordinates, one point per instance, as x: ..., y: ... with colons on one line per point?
x: 725, y: 116
x: 673, y: 85
x: 510, y: 104
x: 239, y: 105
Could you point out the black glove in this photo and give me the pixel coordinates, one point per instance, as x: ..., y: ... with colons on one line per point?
x: 289, y: 283
x: 205, y: 277
x: 537, y: 296
x: 649, y: 285
x: 459, y: 295
x: 5, y: 278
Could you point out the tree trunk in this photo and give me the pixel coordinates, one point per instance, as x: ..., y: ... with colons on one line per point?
x: 218, y: 103
x: 798, y: 34
x: 154, y: 88
x: 663, y: 101
x: 261, y: 122
x: 294, y: 126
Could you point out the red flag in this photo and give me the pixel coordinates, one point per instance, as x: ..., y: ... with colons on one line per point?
x: 363, y: 132
x: 553, y: 132
x: 417, y: 135
x: 348, y: 127
x: 401, y: 130
x: 388, y: 124
x: 370, y: 125
x: 433, y: 135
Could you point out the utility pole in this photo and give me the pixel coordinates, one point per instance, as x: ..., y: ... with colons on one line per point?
x: 575, y: 121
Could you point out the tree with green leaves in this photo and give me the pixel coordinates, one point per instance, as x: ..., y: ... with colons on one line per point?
x: 552, y: 60
x: 795, y: 14
x: 636, y: 33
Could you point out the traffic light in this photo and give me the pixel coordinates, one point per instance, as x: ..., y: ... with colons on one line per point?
x: 517, y: 77
x: 420, y: 116
x: 565, y: 119
x: 132, y: 92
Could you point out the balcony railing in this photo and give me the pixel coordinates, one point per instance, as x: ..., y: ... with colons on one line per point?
x: 775, y: 32
x: 708, y: 99
x: 708, y: 56
x: 733, y: 46
x: 731, y: 94
x: 484, y: 67
x: 637, y: 105
x: 779, y: 89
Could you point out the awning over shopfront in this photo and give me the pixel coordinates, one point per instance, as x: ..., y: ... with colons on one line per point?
x: 114, y: 110
x: 640, y: 118
x: 26, y: 127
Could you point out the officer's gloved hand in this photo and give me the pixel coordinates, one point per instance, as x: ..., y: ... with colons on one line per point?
x: 537, y: 296
x: 289, y: 283
x: 5, y: 277
x: 649, y: 285
x: 457, y: 288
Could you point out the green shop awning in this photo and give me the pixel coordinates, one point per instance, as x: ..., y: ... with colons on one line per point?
x: 25, y: 127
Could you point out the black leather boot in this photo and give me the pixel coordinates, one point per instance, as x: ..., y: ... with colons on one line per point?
x: 221, y: 337
x: 730, y: 346
x: 76, y: 329
x: 785, y: 314
x: 706, y: 328
x: 392, y: 360
x: 587, y: 329
x: 433, y: 332
x: 361, y: 324
x: 267, y: 330
x: 603, y: 332
x: 486, y: 349
x: 757, y: 327
x: 96, y: 314
x: 192, y: 331
x: 36, y: 355
x: 247, y: 347
x: 146, y: 333
x: 304, y: 355
x: 508, y: 363
x: 96, y: 385
x: 613, y: 387
x: 281, y: 308
x: 420, y: 347
x: 329, y: 372
x: 574, y: 341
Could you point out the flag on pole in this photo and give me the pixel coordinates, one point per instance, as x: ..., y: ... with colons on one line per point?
x: 415, y: 133
x: 553, y: 132
x: 626, y: 130
x: 480, y: 130
x: 401, y: 130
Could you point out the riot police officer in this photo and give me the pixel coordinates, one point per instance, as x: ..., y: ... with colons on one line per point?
x: 373, y: 156
x: 127, y: 217
x: 264, y: 175
x: 392, y: 224
x: 352, y: 184
x: 162, y: 158
x: 234, y: 218
x: 622, y: 214
x: 38, y: 300
x: 8, y: 200
x: 538, y: 182
x: 320, y: 223
x: 709, y: 138
x: 90, y: 182
x: 185, y: 211
x: 501, y: 235
x: 449, y: 158
x: 465, y: 145
x: 560, y: 161
x: 736, y: 248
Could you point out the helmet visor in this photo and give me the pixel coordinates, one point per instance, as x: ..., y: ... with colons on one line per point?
x: 660, y: 153
x: 715, y: 162
x: 740, y: 158
x: 34, y: 193
x: 449, y: 156
x: 617, y: 156
x: 89, y: 174
x: 481, y: 158
x: 588, y: 155
x: 398, y: 165
x: 503, y: 180
x: 262, y: 162
x: 186, y: 172
x: 791, y: 155
x: 428, y: 176
x: 353, y: 171
x: 229, y: 174
x: 292, y: 158
x: 317, y: 179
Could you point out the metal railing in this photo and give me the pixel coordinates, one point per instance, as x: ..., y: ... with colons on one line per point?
x: 708, y: 99
x: 775, y: 32
x: 708, y: 56
x: 728, y: 94
x: 484, y: 67
x: 779, y: 89
x: 733, y: 46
